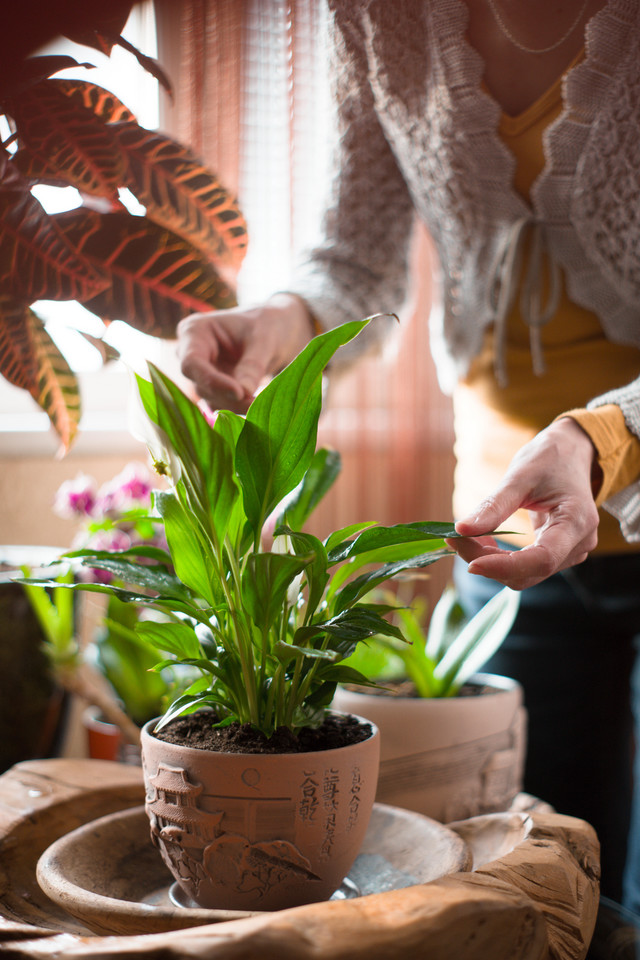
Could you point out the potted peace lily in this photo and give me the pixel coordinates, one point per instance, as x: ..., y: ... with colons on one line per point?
x: 452, y: 739
x: 258, y: 794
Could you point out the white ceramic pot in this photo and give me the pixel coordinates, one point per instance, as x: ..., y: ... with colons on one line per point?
x: 448, y: 758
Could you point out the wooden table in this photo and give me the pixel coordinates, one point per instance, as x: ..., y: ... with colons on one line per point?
x: 537, y: 902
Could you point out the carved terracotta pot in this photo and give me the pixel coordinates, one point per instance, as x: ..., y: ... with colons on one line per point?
x: 258, y: 831
x: 448, y: 758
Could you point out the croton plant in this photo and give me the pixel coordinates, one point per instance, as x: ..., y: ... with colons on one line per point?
x: 146, y: 270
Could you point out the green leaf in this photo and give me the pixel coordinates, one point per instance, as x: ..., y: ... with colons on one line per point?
x: 191, y: 553
x: 367, y: 581
x: 206, y: 455
x: 341, y: 540
x: 446, y: 621
x: 286, y: 652
x: 341, y: 673
x: 177, y: 638
x: 381, y: 538
x: 265, y: 581
x: 224, y: 487
x: 278, y: 439
x: 479, y: 638
x: 306, y: 545
x: 317, y: 481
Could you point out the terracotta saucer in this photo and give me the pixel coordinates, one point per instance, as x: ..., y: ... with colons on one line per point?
x: 108, y: 875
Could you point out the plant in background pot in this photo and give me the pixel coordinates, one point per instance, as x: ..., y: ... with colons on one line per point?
x: 452, y: 739
x: 113, y: 517
x: 267, y: 623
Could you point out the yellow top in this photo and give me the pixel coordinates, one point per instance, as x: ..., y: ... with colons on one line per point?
x: 493, y: 422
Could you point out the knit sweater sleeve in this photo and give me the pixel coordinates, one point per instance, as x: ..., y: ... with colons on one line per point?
x: 360, y: 267
x: 625, y: 505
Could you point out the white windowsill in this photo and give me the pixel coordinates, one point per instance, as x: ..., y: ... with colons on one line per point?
x: 104, y: 429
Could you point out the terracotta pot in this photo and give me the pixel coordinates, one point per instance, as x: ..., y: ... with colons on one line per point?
x: 105, y: 740
x: 448, y: 758
x: 258, y: 831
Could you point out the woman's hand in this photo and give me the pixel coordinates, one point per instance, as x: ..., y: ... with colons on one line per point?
x: 553, y: 478
x: 227, y: 354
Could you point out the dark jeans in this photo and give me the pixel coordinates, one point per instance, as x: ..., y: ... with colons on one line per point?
x: 573, y: 648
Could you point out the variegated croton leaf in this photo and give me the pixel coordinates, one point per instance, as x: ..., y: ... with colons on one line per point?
x: 180, y: 193
x: 69, y: 139
x: 156, y: 277
x: 37, y: 262
x: 88, y: 96
x: 31, y: 360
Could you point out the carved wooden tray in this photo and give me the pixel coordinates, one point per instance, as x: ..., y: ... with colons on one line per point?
x: 536, y: 900
x: 109, y: 876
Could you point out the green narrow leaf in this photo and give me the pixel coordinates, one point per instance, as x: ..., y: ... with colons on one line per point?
x: 340, y: 540
x: 445, y: 624
x: 479, y: 638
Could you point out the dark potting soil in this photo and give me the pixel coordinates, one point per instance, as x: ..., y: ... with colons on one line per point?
x: 197, y: 730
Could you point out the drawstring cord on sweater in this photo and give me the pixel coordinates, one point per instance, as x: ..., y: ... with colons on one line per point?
x: 507, y: 280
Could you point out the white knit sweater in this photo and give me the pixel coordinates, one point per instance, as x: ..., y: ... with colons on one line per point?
x: 417, y: 132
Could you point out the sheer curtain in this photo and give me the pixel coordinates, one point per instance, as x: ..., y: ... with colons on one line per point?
x: 252, y: 98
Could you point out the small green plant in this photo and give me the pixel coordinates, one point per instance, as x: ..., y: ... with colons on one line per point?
x: 54, y: 606
x: 266, y: 622
x: 440, y: 657
x: 113, y: 517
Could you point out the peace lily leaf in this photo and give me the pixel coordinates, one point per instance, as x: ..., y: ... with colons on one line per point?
x: 341, y: 673
x: 127, y: 596
x: 341, y: 540
x: 265, y: 582
x: 386, y: 556
x: 285, y: 652
x: 322, y: 473
x: 206, y: 454
x: 228, y: 499
x: 183, y: 705
x: 367, y: 581
x: 304, y: 544
x: 146, y: 550
x: 278, y: 439
x: 193, y: 565
x: 377, y: 538
x: 177, y: 638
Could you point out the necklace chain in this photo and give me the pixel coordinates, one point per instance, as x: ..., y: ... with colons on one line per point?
x: 508, y: 34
